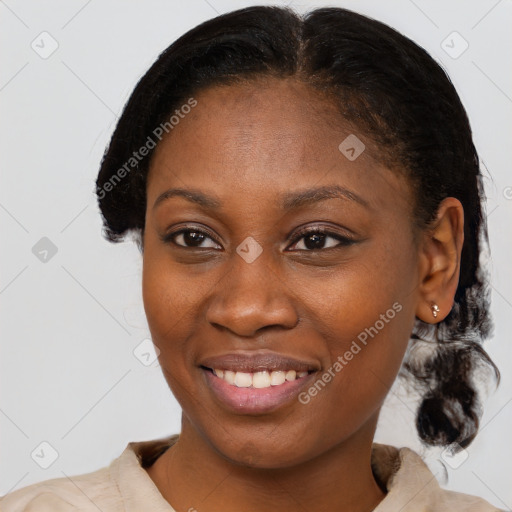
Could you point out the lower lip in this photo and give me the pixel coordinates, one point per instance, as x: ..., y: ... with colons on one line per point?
x: 255, y: 400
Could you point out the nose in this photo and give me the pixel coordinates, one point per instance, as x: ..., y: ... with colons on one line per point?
x: 252, y: 297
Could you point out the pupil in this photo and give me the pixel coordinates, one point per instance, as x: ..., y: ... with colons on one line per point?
x: 193, y: 238
x: 314, y: 241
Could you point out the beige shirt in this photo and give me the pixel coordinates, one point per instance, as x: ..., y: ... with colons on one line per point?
x: 125, y: 485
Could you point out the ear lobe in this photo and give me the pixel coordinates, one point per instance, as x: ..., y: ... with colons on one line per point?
x: 440, y: 255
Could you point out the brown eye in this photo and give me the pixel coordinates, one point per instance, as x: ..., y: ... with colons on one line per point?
x: 318, y: 238
x: 191, y: 238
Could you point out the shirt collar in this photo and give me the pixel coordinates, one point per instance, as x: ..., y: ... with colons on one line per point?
x: 410, y: 485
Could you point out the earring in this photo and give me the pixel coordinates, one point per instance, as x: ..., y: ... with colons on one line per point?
x: 435, y: 309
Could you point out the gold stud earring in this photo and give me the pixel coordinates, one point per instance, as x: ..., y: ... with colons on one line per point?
x: 435, y: 309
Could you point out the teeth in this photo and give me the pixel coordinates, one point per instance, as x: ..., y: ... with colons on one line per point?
x: 261, y: 379
x: 277, y: 378
x: 291, y: 374
x: 229, y: 377
x: 243, y: 380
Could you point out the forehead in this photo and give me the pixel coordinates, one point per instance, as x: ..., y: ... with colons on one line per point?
x: 263, y: 137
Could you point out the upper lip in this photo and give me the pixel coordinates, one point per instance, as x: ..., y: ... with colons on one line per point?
x: 253, y: 362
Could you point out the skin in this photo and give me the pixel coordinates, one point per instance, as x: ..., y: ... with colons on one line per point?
x: 247, y: 146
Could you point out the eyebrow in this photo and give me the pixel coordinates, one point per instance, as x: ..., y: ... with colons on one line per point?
x: 192, y: 195
x: 296, y: 199
x: 290, y: 201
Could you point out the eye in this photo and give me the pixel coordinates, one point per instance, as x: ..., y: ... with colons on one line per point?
x: 309, y: 239
x: 191, y: 238
x: 316, y: 238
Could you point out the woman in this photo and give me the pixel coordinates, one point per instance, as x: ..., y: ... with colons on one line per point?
x: 306, y: 196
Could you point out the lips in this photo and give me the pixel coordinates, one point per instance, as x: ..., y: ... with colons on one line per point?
x: 256, y: 382
x: 258, y: 362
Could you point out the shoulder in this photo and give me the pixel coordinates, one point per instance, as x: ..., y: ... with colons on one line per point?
x: 122, y: 485
x: 411, y: 486
x: 83, y: 492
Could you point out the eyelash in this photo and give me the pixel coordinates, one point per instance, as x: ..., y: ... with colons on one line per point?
x: 343, y: 240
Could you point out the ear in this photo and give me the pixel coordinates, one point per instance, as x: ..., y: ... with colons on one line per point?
x: 440, y: 253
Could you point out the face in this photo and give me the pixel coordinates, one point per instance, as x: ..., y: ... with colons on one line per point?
x: 268, y: 251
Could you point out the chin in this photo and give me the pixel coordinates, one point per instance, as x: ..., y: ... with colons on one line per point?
x: 252, y: 455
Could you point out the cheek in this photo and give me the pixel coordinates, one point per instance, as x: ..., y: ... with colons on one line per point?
x: 166, y: 288
x: 167, y: 304
x: 365, y: 354
x: 166, y: 300
x: 173, y: 297
x: 365, y: 315
x: 353, y: 297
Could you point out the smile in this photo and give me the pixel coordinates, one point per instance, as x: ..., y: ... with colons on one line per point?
x: 259, y: 379
x: 257, y: 392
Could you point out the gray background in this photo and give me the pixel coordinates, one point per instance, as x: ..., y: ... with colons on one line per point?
x: 76, y: 373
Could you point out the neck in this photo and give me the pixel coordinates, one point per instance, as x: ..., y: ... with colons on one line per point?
x: 192, y: 476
